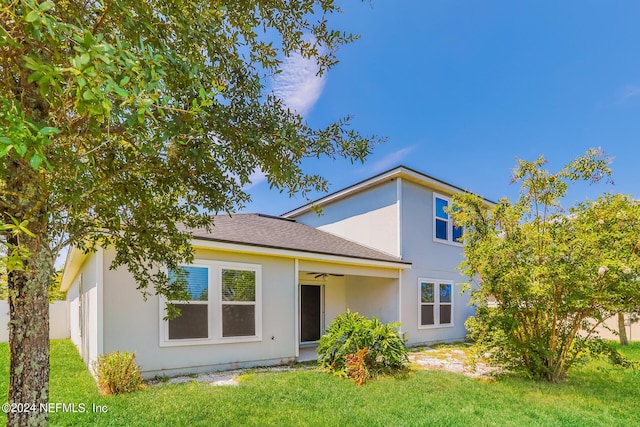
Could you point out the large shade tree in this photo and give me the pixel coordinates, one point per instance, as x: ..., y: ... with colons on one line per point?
x: 552, y: 274
x: 120, y: 119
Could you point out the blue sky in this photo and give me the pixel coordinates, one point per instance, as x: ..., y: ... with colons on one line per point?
x: 464, y: 88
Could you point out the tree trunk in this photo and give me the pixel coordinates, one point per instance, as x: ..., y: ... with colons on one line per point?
x: 622, y: 330
x: 28, y: 288
x: 29, y: 338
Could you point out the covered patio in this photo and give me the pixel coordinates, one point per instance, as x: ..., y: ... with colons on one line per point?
x: 326, y: 290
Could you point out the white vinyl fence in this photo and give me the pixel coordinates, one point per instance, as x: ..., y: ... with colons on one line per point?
x: 632, y: 326
x: 58, y: 320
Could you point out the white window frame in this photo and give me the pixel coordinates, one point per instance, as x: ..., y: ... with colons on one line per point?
x: 257, y: 303
x: 436, y: 303
x: 449, y: 240
x: 214, y: 312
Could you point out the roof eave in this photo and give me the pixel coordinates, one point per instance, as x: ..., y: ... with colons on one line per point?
x: 72, y: 264
x: 397, y: 172
x: 210, y: 243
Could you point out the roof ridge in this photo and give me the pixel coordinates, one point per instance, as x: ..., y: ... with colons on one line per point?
x: 391, y: 174
x: 263, y: 215
x: 260, y: 214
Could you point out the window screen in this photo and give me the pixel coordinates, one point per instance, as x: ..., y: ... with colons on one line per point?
x: 436, y: 303
x: 194, y: 319
x: 238, y: 303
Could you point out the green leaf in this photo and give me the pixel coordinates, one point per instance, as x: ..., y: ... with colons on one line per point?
x: 5, y: 150
x: 23, y: 228
x: 32, y: 16
x: 31, y: 63
x: 35, y: 161
x: 21, y: 149
x: 88, y: 38
x: 47, y: 164
x: 34, y: 76
x: 121, y: 92
x: 47, y: 130
x: 46, y: 5
x: 174, y: 164
x: 44, y: 81
x: 106, y: 105
x: 87, y: 95
x: 5, y: 140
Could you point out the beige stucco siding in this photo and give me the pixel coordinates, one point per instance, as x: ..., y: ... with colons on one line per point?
x: 83, y: 318
x: 369, y: 218
x: 335, y: 298
x: 396, y: 216
x: 131, y: 324
x: 74, y: 314
x: 373, y: 296
x: 432, y: 260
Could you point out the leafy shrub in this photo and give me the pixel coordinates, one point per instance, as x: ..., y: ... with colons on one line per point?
x: 350, y: 334
x: 118, y: 373
x: 553, y: 275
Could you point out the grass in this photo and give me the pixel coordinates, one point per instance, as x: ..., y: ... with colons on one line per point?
x: 596, y: 394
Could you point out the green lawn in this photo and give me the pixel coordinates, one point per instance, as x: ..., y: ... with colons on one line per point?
x: 595, y: 395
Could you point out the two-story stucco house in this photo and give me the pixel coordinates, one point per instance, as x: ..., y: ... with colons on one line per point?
x: 402, y: 212
x: 264, y: 288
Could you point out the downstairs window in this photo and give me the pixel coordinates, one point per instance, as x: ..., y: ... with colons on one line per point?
x: 436, y: 303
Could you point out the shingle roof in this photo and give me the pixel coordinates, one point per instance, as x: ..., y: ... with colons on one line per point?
x: 276, y: 232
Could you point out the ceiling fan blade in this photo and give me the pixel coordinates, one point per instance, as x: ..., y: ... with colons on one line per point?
x: 317, y: 275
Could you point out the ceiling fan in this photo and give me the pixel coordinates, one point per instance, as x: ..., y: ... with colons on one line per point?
x: 317, y: 275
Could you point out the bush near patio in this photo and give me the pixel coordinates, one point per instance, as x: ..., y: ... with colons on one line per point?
x: 555, y: 275
x: 360, y: 348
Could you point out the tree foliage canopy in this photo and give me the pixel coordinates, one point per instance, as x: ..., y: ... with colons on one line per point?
x: 125, y: 123
x: 553, y: 274
x: 125, y: 118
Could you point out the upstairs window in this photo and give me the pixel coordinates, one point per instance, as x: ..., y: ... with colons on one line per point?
x: 443, y: 227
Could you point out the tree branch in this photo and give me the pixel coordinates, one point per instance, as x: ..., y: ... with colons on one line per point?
x: 100, y: 21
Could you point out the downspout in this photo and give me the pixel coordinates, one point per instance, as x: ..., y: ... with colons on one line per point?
x: 296, y: 311
x: 400, y: 297
x: 399, y: 249
x: 100, y: 302
x: 399, y: 216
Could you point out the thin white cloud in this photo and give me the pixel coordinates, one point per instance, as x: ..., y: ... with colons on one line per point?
x: 256, y: 177
x: 631, y: 91
x: 390, y: 160
x: 298, y: 85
